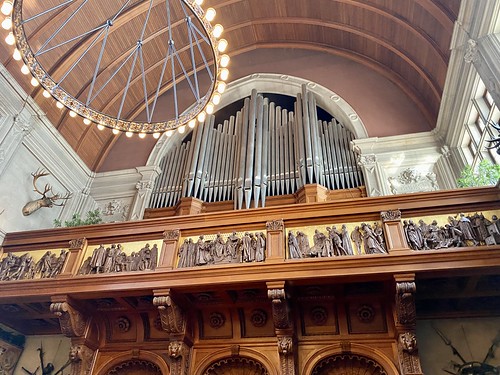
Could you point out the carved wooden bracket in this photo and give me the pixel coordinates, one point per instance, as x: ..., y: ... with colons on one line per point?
x: 73, y: 322
x: 287, y: 355
x: 81, y: 358
x: 409, y: 360
x: 281, y: 310
x: 405, y: 303
x: 173, y: 319
x: 178, y: 353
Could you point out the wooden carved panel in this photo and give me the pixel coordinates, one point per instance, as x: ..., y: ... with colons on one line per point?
x: 348, y: 364
x: 135, y: 367
x: 236, y: 366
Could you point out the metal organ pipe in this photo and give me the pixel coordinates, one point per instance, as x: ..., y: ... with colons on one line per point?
x: 264, y: 150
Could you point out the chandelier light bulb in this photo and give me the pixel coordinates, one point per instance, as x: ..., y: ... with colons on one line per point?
x: 72, y: 113
x: 16, y: 55
x: 7, y: 23
x: 192, y: 123
x: 129, y: 134
x: 25, y: 69
x: 224, y: 74
x: 210, y: 14
x: 86, y: 121
x: 224, y: 61
x: 222, y: 45
x: 6, y: 7
x: 156, y: 135
x: 221, y: 87
x: 181, y: 129
x: 46, y: 94
x: 217, y: 31
x: 10, y: 40
x: 142, y: 135
x: 115, y: 131
x: 198, y: 2
x: 202, y: 116
x: 100, y: 127
x: 59, y: 105
x: 34, y: 82
x: 209, y: 108
x: 216, y: 98
x: 169, y: 133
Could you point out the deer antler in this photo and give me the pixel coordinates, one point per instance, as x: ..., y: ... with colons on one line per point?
x: 36, y: 175
x: 56, y: 197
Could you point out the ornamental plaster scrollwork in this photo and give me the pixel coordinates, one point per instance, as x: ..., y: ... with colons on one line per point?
x: 471, y: 52
x: 115, y: 210
x: 173, y: 319
x: 411, y: 181
x: 72, y: 321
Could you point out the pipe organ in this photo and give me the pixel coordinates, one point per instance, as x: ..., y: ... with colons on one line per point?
x: 263, y: 150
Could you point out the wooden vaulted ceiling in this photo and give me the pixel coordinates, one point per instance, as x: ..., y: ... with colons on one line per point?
x: 406, y: 41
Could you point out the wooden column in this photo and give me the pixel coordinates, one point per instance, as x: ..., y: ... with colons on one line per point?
x: 168, y: 254
x: 393, y: 230
x: 406, y: 322
x: 74, y: 257
x: 275, y: 243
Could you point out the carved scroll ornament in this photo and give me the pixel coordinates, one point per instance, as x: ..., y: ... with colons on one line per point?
x: 280, y: 308
x: 172, y: 317
x: 72, y: 322
x: 405, y: 303
x: 275, y: 225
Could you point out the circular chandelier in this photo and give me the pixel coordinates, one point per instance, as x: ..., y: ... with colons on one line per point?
x: 110, y: 61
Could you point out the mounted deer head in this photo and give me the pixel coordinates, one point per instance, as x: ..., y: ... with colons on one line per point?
x: 45, y: 200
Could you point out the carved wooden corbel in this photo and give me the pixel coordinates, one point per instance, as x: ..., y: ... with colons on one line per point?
x: 281, y: 310
x: 409, y: 360
x: 81, y: 358
x: 405, y: 303
x: 287, y: 355
x: 73, y: 322
x: 173, y: 319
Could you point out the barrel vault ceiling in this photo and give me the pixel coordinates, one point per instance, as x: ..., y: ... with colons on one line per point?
x: 406, y: 41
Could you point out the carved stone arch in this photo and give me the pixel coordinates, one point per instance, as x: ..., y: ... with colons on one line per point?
x: 131, y: 362
x: 276, y: 84
x: 368, y: 354
x: 236, y: 351
x: 236, y: 366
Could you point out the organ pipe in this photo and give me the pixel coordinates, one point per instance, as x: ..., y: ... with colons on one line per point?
x: 263, y: 150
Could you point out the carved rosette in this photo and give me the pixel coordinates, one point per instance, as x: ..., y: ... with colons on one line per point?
x: 171, y: 235
x: 81, y: 358
x: 281, y: 316
x: 275, y: 225
x: 72, y: 322
x: 409, y: 360
x: 77, y: 243
x: 392, y: 215
x: 405, y: 303
x: 172, y: 317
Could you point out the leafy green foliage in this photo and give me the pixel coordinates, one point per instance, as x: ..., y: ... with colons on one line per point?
x: 486, y: 174
x: 93, y: 217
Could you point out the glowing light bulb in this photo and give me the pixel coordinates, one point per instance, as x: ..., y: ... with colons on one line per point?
x: 34, y: 82
x: 169, y: 133
x: 142, y: 135
x: 198, y: 2
x: 115, y: 131
x: 210, y: 14
x: 6, y: 8
x: 209, y: 108
x: 216, y: 98
x: 181, y: 129
x: 100, y: 127
x: 10, y: 40
x: 59, y: 105
x: 224, y: 74
x: 202, y: 116
x: 192, y: 123
x: 222, y: 45
x: 7, y: 23
x: 128, y: 134
x: 46, y: 94
x: 25, y: 69
x: 224, y: 61
x: 156, y: 135
x: 86, y: 121
x: 72, y: 113
x: 221, y: 87
x: 16, y: 55
x: 217, y: 30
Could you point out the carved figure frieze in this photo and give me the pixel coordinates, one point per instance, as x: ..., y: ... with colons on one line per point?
x: 114, y: 259
x: 363, y: 239
x: 220, y: 249
x: 14, y: 267
x: 459, y: 231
